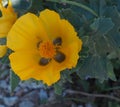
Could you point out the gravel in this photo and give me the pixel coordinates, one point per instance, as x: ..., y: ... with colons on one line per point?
x: 26, y: 104
x: 29, y: 94
x: 10, y: 101
x: 2, y: 105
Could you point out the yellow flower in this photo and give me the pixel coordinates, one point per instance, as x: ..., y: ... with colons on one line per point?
x: 3, y: 50
x: 43, y: 46
x: 7, y: 19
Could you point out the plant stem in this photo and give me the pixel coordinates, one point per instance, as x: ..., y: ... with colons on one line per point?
x: 93, y: 95
x: 75, y: 4
x: 113, y: 88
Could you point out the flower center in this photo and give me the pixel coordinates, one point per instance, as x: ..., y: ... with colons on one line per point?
x: 47, y: 49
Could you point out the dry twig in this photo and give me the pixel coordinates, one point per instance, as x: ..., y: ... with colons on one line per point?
x: 93, y: 95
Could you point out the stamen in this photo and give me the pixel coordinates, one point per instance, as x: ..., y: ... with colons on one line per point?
x: 59, y: 57
x: 47, y: 49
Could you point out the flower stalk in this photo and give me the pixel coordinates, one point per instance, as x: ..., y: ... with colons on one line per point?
x: 75, y: 4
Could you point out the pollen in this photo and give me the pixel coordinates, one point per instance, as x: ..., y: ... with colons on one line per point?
x: 47, y: 49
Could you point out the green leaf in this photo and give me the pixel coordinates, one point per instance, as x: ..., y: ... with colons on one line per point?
x: 85, y: 84
x: 98, y: 5
x: 102, y: 26
x: 110, y: 71
x: 36, y: 7
x: 85, y: 40
x: 102, y: 6
x: 93, y: 67
x: 21, y: 6
x: 93, y: 4
x: 101, y: 86
x: 65, y: 75
x: 105, y: 38
x: 58, y: 88
x: 118, y: 5
x: 113, y: 104
x: 70, y: 15
x: 114, y: 34
x: 116, y: 63
x: 98, y: 67
x: 14, y: 80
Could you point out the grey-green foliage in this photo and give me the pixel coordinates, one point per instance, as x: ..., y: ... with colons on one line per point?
x: 102, y: 37
x: 21, y: 6
x: 14, y: 80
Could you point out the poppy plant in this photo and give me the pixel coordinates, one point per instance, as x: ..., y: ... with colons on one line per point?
x: 43, y: 46
x: 6, y: 21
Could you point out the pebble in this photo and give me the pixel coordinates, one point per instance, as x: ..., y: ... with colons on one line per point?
x: 3, y: 84
x: 35, y: 86
x: 2, y: 105
x: 1, y: 96
x: 10, y: 101
x: 32, y: 96
x: 30, y: 85
x: 43, y: 96
x: 88, y: 105
x: 26, y: 104
x: 80, y: 106
x: 52, y: 96
x: 73, y: 105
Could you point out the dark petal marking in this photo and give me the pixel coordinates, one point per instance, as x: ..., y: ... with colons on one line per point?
x: 38, y: 44
x: 59, y: 57
x: 44, y: 61
x: 57, y: 41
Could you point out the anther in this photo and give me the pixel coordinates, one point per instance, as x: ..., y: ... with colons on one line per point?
x: 59, y: 57
x: 44, y: 61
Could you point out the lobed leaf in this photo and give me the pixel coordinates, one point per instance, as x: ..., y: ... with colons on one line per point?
x: 14, y: 81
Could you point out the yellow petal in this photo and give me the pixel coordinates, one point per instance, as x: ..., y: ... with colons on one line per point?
x: 26, y: 66
x: 48, y: 74
x: 79, y: 41
x: 5, y: 26
x: 26, y: 33
x: 6, y: 20
x: 57, y: 27
x: 3, y: 50
x: 71, y: 57
x: 51, y: 22
x: 7, y: 11
x: 23, y: 59
x: 68, y: 33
